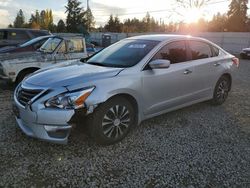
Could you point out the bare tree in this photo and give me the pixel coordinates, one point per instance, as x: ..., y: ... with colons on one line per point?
x: 192, y: 3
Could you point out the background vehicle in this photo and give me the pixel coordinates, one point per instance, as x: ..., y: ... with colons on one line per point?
x: 125, y: 83
x: 16, y: 36
x: 56, y: 50
x: 245, y: 53
x: 90, y: 49
x: 29, y: 46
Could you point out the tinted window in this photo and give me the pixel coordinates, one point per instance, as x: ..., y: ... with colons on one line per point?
x: 17, y: 35
x: 75, y: 45
x: 175, y: 52
x: 200, y: 50
x: 216, y: 51
x: 125, y: 53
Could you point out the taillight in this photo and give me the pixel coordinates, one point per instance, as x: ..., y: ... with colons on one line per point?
x: 236, y: 61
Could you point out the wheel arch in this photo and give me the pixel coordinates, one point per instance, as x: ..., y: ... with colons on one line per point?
x: 229, y: 76
x: 131, y: 99
x: 28, y: 69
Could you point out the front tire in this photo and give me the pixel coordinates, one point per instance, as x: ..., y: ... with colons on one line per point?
x: 221, y: 90
x: 112, y: 121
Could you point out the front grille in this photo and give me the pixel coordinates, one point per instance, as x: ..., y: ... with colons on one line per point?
x: 25, y: 95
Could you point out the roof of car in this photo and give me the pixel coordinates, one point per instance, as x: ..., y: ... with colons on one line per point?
x: 162, y: 37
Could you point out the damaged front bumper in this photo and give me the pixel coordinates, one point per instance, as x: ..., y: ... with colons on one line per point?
x: 47, y: 124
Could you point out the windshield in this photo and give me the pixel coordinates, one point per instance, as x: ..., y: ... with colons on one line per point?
x: 125, y: 53
x: 32, y: 41
x: 50, y: 45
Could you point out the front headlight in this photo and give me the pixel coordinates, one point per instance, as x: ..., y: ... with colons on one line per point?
x: 70, y: 100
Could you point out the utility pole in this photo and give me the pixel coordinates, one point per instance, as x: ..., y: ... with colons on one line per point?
x: 87, y: 4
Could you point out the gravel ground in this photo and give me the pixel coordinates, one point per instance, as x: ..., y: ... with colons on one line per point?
x: 198, y: 146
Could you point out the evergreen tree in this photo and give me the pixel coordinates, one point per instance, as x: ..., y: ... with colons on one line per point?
x: 35, y: 20
x: 19, y: 20
x: 218, y: 23
x: 113, y: 25
x: 75, y: 21
x: 237, y: 15
x: 61, y: 28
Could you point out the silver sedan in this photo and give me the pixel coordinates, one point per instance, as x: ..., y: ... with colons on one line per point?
x: 130, y: 81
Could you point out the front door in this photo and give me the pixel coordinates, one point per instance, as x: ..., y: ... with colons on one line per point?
x: 167, y: 88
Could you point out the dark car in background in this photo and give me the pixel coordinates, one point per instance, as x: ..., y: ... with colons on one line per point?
x: 16, y: 36
x: 29, y: 46
x: 245, y: 53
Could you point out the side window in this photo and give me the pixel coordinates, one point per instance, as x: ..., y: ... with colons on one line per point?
x: 75, y: 45
x: 199, y: 50
x: 17, y: 35
x: 215, y: 50
x: 2, y: 35
x: 62, y: 49
x: 175, y: 52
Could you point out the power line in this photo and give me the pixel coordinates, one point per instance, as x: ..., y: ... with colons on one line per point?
x: 156, y: 11
x: 132, y: 13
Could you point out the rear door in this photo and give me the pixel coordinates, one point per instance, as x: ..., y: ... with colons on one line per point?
x: 207, y: 63
x: 168, y: 88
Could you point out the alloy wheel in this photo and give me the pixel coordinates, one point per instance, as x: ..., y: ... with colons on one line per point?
x: 116, y: 122
x: 222, y: 91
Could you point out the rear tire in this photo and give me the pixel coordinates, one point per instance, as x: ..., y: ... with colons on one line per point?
x: 112, y: 121
x: 221, y: 90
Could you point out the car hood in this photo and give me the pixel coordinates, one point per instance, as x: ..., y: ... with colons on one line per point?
x: 71, y: 75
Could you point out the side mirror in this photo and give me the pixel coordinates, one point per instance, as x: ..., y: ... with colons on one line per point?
x: 159, y: 64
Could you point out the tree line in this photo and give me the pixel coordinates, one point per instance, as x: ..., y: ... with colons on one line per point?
x: 235, y: 20
x: 79, y: 20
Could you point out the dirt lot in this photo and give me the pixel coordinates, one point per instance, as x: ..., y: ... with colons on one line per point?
x: 198, y: 146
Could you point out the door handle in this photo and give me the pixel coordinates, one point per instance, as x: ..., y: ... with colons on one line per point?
x: 187, y: 71
x: 216, y: 64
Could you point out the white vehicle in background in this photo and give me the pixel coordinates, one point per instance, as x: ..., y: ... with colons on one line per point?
x: 59, y: 50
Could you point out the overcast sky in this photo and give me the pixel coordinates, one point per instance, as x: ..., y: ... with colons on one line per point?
x: 164, y: 10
